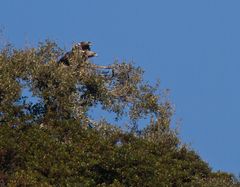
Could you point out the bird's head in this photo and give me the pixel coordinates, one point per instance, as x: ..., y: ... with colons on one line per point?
x: 84, y: 43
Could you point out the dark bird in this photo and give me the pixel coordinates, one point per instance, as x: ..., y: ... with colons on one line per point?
x: 83, y: 48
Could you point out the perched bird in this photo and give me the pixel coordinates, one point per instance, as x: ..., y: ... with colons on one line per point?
x: 82, y: 48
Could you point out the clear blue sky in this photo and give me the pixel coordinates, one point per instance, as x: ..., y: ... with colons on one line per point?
x: 192, y: 46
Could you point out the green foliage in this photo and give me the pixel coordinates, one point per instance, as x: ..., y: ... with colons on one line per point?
x: 49, y: 142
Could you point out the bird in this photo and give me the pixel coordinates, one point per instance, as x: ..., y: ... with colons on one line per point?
x: 83, y: 48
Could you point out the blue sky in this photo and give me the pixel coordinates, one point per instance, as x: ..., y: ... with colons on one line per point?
x: 192, y: 46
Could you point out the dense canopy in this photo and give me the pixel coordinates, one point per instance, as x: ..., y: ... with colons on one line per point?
x: 47, y: 137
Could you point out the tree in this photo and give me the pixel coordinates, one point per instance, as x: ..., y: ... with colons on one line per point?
x: 52, y: 141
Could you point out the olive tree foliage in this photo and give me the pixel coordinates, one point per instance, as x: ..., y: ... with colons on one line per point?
x: 47, y: 141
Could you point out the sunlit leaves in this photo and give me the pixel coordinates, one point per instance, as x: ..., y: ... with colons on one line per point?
x: 51, y: 141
